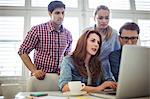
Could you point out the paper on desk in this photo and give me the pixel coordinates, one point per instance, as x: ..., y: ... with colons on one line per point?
x: 84, y: 98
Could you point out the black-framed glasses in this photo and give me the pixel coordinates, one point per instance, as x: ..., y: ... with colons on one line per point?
x: 126, y: 39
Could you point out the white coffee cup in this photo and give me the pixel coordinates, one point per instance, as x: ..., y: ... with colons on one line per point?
x: 75, y: 86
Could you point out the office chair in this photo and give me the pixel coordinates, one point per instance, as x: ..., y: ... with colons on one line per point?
x: 50, y: 83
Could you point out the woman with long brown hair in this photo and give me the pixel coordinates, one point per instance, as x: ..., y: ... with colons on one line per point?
x: 84, y: 64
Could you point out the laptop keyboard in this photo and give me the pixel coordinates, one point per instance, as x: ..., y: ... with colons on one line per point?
x: 108, y: 92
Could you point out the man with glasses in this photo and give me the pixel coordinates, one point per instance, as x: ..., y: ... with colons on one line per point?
x: 129, y: 34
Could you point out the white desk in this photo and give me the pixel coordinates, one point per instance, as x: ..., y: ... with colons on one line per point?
x: 58, y: 95
x: 54, y: 95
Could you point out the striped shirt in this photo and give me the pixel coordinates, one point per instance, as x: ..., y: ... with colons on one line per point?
x: 50, y: 46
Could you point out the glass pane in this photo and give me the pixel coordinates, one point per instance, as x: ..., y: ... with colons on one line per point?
x: 11, y: 34
x: 44, y: 3
x: 12, y: 2
x: 11, y: 28
x: 121, y: 4
x: 117, y: 23
x: 73, y: 28
x: 39, y: 20
x: 144, y: 32
x: 114, y: 23
x: 11, y: 64
x: 142, y: 5
x: 72, y: 24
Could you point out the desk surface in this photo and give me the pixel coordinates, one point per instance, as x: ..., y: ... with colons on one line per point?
x: 58, y: 95
x: 53, y: 95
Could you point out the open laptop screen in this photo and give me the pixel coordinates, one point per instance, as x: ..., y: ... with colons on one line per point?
x: 134, y: 73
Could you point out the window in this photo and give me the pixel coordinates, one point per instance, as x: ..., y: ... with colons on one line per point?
x: 38, y: 20
x: 144, y: 32
x: 117, y: 23
x: 142, y: 5
x: 121, y: 4
x: 11, y: 34
x: 12, y: 2
x: 44, y: 3
x: 72, y: 24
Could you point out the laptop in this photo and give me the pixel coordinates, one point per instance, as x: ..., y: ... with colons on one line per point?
x: 134, y: 75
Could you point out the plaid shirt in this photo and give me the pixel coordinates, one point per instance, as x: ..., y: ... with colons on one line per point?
x: 50, y: 46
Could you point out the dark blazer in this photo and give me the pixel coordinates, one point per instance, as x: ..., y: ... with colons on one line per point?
x: 114, y: 59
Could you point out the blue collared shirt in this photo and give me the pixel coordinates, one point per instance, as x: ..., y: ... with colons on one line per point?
x: 108, y: 46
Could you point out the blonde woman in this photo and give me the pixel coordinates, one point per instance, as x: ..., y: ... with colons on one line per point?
x: 110, y: 40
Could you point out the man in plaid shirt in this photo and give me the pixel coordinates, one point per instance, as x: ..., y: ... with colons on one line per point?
x: 50, y: 41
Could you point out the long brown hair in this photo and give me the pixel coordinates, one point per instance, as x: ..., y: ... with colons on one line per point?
x: 79, y: 56
x: 108, y: 30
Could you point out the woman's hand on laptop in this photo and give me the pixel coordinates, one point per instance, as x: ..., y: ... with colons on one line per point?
x: 107, y: 84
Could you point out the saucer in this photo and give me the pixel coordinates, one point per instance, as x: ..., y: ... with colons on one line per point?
x: 79, y: 93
